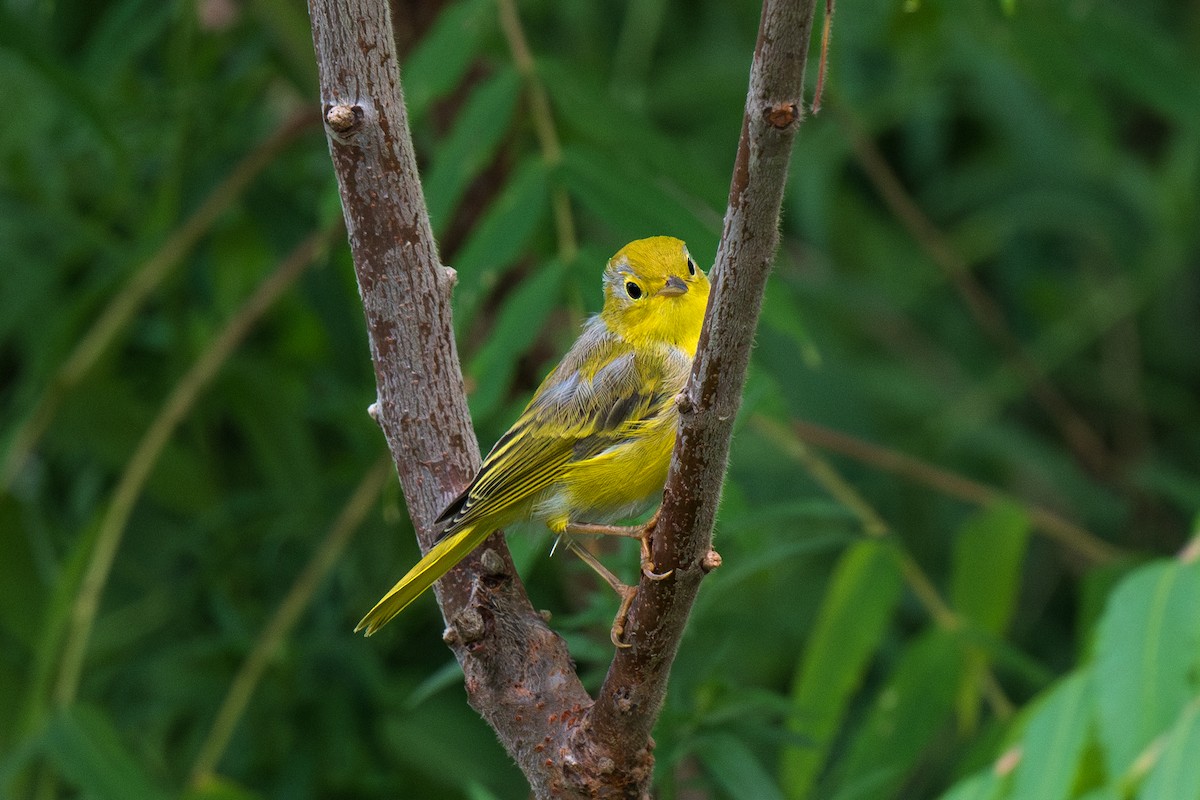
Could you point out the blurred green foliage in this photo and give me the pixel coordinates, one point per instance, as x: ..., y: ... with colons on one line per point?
x: 990, y: 264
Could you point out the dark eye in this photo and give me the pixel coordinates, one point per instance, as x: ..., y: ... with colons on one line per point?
x: 633, y: 290
x: 691, y: 266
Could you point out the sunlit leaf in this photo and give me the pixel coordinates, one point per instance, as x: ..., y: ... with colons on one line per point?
x: 1054, y: 742
x: 988, y: 553
x: 1177, y: 773
x: 1147, y: 655
x: 905, y: 716
x: 861, y: 599
x: 983, y: 785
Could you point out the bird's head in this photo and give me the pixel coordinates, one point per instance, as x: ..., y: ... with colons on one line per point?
x: 655, y: 294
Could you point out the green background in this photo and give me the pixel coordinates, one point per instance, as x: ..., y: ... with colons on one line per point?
x: 988, y: 289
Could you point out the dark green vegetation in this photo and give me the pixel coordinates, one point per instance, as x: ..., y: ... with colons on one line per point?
x: 990, y: 265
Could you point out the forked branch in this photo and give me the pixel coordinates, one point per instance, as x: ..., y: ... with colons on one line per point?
x: 519, y: 675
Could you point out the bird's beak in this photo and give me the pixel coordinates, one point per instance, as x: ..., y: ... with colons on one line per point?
x: 675, y: 287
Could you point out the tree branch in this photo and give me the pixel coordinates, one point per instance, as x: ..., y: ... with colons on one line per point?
x: 635, y: 687
x: 519, y: 675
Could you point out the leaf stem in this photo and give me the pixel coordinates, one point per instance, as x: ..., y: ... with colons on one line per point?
x: 145, y: 456
x: 1053, y: 526
x: 543, y: 126
x: 1078, y: 433
x: 244, y: 683
x: 121, y: 308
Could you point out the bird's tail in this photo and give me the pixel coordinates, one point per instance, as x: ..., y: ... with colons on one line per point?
x: 436, y: 563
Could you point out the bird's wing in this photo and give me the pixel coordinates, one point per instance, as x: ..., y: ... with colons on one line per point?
x: 578, y: 411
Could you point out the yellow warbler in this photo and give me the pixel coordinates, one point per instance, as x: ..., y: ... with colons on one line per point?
x: 594, y: 443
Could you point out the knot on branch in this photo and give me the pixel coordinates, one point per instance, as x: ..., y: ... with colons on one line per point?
x: 712, y: 559
x: 466, y: 628
x: 782, y: 115
x: 448, y: 279
x: 683, y: 402
x: 343, y: 121
x: 493, y: 565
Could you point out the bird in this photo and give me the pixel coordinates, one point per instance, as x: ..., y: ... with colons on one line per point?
x: 594, y: 443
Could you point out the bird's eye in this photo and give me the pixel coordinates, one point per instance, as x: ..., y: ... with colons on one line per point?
x: 633, y: 290
x: 691, y: 266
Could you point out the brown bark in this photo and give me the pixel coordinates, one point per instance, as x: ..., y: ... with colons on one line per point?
x: 519, y: 675
x: 632, y: 694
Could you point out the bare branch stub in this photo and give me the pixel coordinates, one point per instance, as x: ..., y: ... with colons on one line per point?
x: 519, y: 675
x: 633, y: 692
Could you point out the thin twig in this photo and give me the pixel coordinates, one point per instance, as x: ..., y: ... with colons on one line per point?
x: 987, y: 314
x: 543, y: 125
x: 244, y: 683
x: 145, y: 456
x: 142, y: 282
x: 1075, y: 538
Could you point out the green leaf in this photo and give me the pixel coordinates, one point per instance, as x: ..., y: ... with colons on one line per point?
x: 449, y: 675
x: 443, y: 55
x: 735, y: 577
x: 632, y: 204
x: 520, y: 321
x: 983, y: 785
x: 478, y: 131
x: 857, y: 607
x: 500, y: 236
x: 22, y: 593
x: 1054, y: 741
x: 1176, y: 775
x: 218, y: 788
x: 1103, y: 793
x: 420, y: 736
x: 14, y: 759
x: 781, y: 313
x: 1147, y: 655
x: 988, y: 553
x: 736, y: 769
x: 476, y: 791
x: 590, y: 110
x: 1150, y: 67
x: 75, y: 90
x: 89, y: 753
x: 910, y: 710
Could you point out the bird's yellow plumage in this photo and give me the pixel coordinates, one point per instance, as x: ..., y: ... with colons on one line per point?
x: 594, y: 443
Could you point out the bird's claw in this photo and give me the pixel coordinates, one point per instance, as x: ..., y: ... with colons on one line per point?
x: 648, y: 571
x: 615, y: 635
